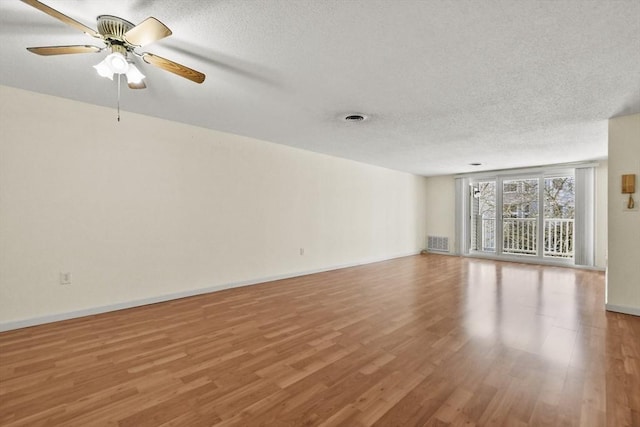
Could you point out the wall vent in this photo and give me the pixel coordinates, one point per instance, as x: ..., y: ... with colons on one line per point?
x: 437, y: 244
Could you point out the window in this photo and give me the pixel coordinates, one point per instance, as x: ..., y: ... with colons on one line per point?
x: 535, y: 216
x: 559, y: 212
x: 510, y: 187
x: 558, y: 183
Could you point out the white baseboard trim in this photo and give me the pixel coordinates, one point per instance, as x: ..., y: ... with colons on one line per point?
x: 634, y: 311
x: 24, y: 323
x: 439, y: 253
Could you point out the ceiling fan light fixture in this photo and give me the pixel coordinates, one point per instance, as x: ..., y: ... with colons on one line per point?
x: 134, y: 75
x: 117, y: 63
x: 122, y: 38
x: 103, y: 69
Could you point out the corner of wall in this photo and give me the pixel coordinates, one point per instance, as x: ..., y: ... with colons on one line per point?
x: 623, y: 268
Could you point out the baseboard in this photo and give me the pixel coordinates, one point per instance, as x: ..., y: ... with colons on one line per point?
x: 24, y: 323
x: 634, y: 311
x: 439, y: 253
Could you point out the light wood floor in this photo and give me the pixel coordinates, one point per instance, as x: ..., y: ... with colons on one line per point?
x: 423, y: 340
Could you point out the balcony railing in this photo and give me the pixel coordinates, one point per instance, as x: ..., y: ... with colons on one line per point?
x: 520, y: 236
x: 558, y: 237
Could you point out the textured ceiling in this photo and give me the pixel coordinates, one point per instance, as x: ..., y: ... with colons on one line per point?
x: 444, y: 83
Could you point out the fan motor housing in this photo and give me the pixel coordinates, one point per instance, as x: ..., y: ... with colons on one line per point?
x: 113, y: 28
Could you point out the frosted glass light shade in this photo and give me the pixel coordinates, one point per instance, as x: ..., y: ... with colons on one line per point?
x: 103, y: 69
x: 134, y: 75
x: 115, y: 63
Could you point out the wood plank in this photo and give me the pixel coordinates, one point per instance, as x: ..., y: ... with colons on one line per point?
x: 421, y: 340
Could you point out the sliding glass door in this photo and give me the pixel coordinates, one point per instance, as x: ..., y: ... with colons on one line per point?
x: 523, y: 216
x: 520, y: 216
x: 559, y: 216
x: 483, y: 217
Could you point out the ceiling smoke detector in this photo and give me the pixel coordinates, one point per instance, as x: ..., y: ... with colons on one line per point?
x: 355, y: 118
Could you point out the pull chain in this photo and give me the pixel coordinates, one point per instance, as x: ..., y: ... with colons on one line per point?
x: 119, y: 75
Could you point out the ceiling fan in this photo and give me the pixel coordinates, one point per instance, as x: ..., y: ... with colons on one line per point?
x: 122, y: 38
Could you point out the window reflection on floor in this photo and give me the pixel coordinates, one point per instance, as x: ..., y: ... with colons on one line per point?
x: 526, y: 307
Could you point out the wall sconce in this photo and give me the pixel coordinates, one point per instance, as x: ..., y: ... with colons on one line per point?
x: 629, y: 187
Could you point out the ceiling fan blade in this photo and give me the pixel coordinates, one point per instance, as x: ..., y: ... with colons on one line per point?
x: 140, y: 85
x: 173, y: 67
x: 62, y: 17
x: 148, y: 31
x: 63, y: 50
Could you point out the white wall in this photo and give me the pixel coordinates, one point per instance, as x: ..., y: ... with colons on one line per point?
x: 147, y: 208
x: 441, y: 212
x: 441, y: 221
x: 623, y: 272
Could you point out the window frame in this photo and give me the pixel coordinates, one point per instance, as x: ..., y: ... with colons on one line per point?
x: 540, y: 174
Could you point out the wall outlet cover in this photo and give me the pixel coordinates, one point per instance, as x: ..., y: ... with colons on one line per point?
x: 65, y: 278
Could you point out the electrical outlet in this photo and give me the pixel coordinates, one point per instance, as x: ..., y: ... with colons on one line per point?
x: 65, y: 278
x: 301, y: 251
